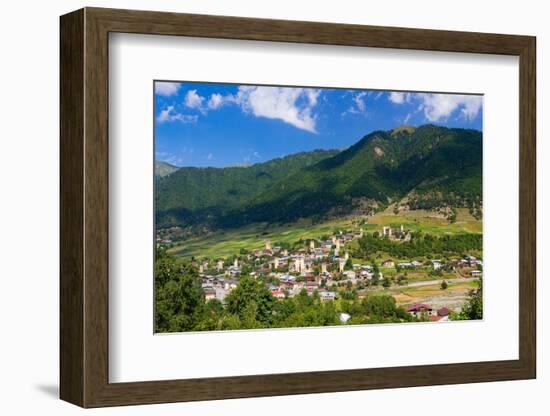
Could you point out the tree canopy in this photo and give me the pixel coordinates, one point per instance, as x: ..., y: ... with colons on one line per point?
x: 181, y: 305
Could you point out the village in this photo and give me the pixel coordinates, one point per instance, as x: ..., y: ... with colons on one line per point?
x: 324, y: 267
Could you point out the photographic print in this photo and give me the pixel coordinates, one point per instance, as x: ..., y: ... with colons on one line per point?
x: 289, y: 207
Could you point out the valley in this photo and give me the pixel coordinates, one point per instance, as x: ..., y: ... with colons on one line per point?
x: 396, y: 219
x: 245, y: 247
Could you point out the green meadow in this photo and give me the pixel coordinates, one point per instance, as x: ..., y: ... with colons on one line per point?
x: 426, y: 221
x: 227, y: 243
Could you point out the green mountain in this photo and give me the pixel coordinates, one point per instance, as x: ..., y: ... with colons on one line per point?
x: 201, y: 195
x: 164, y: 169
x: 425, y: 167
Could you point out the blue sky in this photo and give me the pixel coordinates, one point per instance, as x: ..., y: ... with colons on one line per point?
x: 198, y: 124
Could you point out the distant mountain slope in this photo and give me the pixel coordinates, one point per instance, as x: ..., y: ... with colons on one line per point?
x: 437, y: 166
x: 432, y: 166
x: 164, y: 169
x: 194, y: 195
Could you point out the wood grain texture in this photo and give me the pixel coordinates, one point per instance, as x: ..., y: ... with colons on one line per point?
x: 162, y: 23
x: 84, y: 207
x: 96, y: 208
x: 527, y: 208
x: 71, y: 184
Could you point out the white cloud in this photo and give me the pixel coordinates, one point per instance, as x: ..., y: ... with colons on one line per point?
x: 210, y: 156
x: 193, y: 100
x: 471, y: 107
x: 399, y: 97
x: 312, y: 96
x: 359, y: 106
x: 438, y: 107
x: 359, y: 102
x: 407, y: 118
x: 216, y: 100
x: 170, y: 114
x: 167, y: 89
x: 291, y: 105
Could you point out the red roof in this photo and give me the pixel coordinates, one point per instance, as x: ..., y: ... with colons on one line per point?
x: 417, y: 307
x: 443, y: 312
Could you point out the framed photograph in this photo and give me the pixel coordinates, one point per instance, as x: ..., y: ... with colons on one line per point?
x: 263, y: 207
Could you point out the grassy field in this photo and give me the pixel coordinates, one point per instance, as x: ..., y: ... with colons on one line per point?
x: 227, y: 243
x: 433, y: 294
x: 416, y: 274
x: 426, y: 221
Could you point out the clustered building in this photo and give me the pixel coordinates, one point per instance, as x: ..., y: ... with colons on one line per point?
x: 319, y: 265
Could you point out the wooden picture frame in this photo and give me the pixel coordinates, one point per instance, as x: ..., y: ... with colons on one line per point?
x: 84, y: 207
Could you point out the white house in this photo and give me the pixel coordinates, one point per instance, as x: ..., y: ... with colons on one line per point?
x: 350, y: 274
x: 388, y: 263
x: 326, y: 295
x: 279, y: 294
x: 344, y: 317
x: 209, y: 293
x: 436, y: 264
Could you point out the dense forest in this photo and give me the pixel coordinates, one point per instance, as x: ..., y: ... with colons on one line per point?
x: 435, y: 167
x: 191, y: 195
x: 180, y: 305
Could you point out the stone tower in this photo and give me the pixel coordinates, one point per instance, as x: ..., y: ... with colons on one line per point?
x: 297, y: 265
x: 341, y: 265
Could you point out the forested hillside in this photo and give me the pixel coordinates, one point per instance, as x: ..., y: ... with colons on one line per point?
x: 427, y: 167
x: 195, y: 195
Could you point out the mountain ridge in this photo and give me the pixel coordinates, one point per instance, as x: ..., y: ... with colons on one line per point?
x: 195, y: 194
x: 433, y: 166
